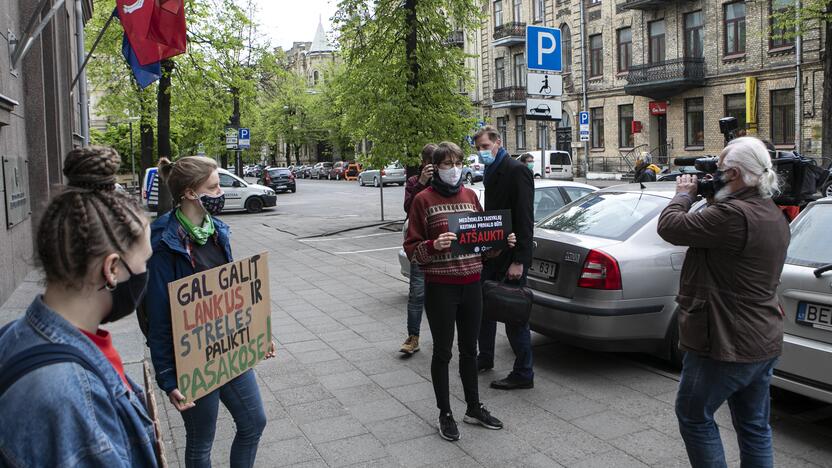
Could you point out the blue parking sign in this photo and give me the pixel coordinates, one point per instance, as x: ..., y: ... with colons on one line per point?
x: 543, y: 49
x: 584, y: 118
x: 244, y: 141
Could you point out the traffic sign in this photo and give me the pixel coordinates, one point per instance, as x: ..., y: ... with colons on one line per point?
x: 230, y: 138
x: 543, y: 109
x: 544, y: 84
x: 543, y: 49
x: 200, y: 149
x: 583, y: 120
x: 244, y: 139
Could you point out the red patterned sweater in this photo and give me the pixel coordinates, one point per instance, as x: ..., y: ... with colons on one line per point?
x: 428, y: 219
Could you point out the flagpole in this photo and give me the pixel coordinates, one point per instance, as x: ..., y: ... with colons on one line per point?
x: 94, y: 46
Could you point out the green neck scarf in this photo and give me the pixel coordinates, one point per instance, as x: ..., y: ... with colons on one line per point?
x: 199, y: 234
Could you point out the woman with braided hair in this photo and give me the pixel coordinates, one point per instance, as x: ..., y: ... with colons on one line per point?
x: 185, y: 241
x: 64, y: 396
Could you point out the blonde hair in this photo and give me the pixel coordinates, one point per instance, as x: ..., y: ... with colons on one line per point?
x: 185, y: 173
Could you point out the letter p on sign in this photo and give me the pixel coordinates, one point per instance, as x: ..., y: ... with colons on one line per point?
x: 543, y: 49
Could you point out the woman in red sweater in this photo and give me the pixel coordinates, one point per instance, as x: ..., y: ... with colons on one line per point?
x: 452, y: 286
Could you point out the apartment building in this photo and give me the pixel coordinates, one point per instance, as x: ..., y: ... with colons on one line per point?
x: 672, y: 67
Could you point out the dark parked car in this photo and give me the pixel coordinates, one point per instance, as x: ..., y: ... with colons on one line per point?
x: 338, y: 170
x: 279, y: 179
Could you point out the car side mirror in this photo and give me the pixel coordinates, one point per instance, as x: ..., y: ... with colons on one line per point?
x: 236, y: 184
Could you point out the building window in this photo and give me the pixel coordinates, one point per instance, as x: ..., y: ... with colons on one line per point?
x: 538, y: 10
x: 734, y: 28
x: 596, y: 55
x: 625, y: 126
x: 315, y: 78
x: 694, y: 122
x: 518, y: 9
x: 499, y: 73
x: 782, y: 117
x: 694, y: 35
x: 566, y: 47
x: 780, y: 10
x: 596, y: 122
x: 502, y: 126
x: 594, y: 2
x: 520, y: 132
x: 657, y: 44
x: 543, y: 135
x: 625, y: 49
x: 498, y: 13
x: 519, y: 70
x: 735, y: 107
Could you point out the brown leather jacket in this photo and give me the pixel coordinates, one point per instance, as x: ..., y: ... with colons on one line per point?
x: 728, y: 307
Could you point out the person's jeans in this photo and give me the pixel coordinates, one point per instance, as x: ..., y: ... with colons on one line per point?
x: 519, y: 336
x: 242, y: 398
x: 705, y: 385
x: 448, y: 306
x: 415, y: 300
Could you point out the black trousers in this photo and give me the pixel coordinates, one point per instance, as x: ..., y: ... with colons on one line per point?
x: 446, y: 306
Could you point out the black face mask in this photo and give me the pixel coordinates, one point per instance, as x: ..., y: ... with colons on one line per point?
x: 212, y: 205
x: 126, y: 295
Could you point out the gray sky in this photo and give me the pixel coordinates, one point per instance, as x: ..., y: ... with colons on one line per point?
x: 287, y: 21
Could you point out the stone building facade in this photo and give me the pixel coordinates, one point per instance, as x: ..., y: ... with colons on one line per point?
x: 672, y: 66
x: 39, y: 124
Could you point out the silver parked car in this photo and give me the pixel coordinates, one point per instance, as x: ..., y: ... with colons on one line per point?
x: 806, y: 298
x: 394, y: 173
x: 549, y: 196
x: 603, y: 278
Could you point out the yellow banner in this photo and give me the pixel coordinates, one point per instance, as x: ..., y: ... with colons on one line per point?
x: 751, y: 105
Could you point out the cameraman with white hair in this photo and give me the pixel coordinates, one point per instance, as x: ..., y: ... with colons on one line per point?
x: 730, y: 321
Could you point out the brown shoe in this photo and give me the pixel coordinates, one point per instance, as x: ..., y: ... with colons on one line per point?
x: 411, y: 345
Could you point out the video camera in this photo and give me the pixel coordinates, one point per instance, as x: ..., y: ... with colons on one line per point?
x: 799, y: 177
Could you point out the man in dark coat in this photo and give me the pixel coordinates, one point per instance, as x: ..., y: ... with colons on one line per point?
x: 509, y: 185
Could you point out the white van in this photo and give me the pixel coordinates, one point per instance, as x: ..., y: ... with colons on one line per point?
x: 239, y: 194
x: 558, y: 164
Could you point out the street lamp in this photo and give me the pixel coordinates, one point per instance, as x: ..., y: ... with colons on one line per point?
x: 129, y: 120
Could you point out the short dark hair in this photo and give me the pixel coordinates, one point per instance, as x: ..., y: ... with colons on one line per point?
x: 493, y: 133
x: 427, y: 152
x: 445, y: 149
x: 525, y: 158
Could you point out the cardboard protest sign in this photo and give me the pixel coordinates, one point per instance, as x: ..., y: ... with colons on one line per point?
x: 477, y: 233
x: 221, y: 323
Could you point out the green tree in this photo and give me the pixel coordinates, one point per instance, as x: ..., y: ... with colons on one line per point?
x: 400, y: 85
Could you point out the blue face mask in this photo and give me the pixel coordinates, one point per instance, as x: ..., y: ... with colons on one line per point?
x: 487, y: 157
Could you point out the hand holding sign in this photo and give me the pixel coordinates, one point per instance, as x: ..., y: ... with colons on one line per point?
x: 512, y: 240
x: 179, y: 401
x: 444, y: 241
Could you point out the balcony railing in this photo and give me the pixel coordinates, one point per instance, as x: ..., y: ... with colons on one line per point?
x: 667, y: 78
x: 457, y: 38
x: 509, y: 34
x: 514, y: 96
x: 646, y: 4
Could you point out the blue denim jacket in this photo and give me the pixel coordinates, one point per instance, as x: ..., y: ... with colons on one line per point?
x: 62, y: 415
x: 171, y: 261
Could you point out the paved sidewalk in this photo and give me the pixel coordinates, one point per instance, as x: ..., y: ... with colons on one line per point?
x: 339, y: 394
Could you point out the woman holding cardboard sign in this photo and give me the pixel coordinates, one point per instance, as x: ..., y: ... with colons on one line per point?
x: 185, y: 241
x: 452, y: 286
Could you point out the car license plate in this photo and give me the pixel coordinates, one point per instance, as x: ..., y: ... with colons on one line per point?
x: 543, y: 269
x: 814, y: 315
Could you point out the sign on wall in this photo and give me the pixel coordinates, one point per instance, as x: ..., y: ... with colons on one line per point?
x: 16, y: 190
x: 221, y: 320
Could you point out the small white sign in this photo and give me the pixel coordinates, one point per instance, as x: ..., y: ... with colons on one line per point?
x: 544, y: 84
x: 231, y: 138
x: 584, y: 135
x: 543, y: 109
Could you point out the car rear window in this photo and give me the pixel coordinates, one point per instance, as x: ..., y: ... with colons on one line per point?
x: 277, y: 172
x: 810, y: 238
x: 559, y: 159
x: 609, y: 215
